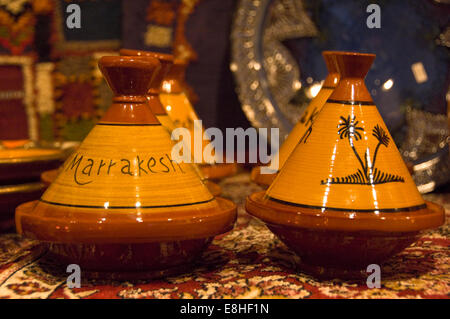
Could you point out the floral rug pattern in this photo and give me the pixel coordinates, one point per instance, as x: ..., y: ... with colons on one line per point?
x: 248, y: 262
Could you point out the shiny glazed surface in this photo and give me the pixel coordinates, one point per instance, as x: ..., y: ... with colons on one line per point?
x: 27, y: 164
x: 302, y: 129
x: 52, y: 223
x: 349, y: 160
x: 49, y: 177
x: 167, y: 96
x: 122, y: 188
x: 344, y: 196
x: 277, y: 213
x: 340, y: 244
x: 182, y: 113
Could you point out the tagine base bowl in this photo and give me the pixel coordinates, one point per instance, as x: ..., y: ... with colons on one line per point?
x: 130, y: 261
x: 337, y: 246
x: 120, y: 248
x: 263, y: 180
x: 328, y: 254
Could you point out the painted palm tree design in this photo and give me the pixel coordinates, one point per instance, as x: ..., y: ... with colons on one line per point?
x: 368, y: 174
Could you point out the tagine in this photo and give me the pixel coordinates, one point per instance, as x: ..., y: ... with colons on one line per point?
x: 344, y: 198
x: 121, y: 207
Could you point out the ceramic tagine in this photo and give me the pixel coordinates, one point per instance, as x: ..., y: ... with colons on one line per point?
x: 180, y: 109
x: 122, y: 207
x: 153, y: 97
x: 344, y: 198
x: 303, y: 128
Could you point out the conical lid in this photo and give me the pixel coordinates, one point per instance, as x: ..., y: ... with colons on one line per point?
x: 300, y: 131
x: 349, y: 161
x: 181, y: 111
x: 167, y: 87
x: 174, y: 98
x: 303, y: 126
x: 125, y: 162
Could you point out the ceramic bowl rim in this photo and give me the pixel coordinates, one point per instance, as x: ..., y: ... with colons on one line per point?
x: 297, y: 217
x: 57, y: 155
x: 21, y: 188
x: 122, y: 229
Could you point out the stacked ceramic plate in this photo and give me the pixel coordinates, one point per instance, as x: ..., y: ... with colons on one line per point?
x: 20, y: 169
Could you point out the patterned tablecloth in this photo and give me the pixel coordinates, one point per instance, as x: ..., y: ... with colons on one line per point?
x: 248, y: 262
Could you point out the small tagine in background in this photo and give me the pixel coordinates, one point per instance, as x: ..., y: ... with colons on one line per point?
x: 344, y: 198
x: 302, y: 129
x: 175, y: 100
x: 121, y: 207
x: 155, y: 104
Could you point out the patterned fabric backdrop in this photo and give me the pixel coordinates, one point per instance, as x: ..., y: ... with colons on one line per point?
x: 248, y: 262
x: 65, y: 93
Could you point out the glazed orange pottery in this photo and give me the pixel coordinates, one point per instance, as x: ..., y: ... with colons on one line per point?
x: 302, y: 129
x: 49, y: 177
x: 121, y: 206
x: 181, y: 111
x: 23, y: 165
x: 344, y: 198
x: 154, y: 102
x: 175, y: 80
x: 156, y: 106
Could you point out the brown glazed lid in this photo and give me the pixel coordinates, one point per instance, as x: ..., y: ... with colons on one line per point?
x: 353, y: 68
x: 333, y: 76
x: 129, y: 78
x: 122, y: 185
x: 166, y: 61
